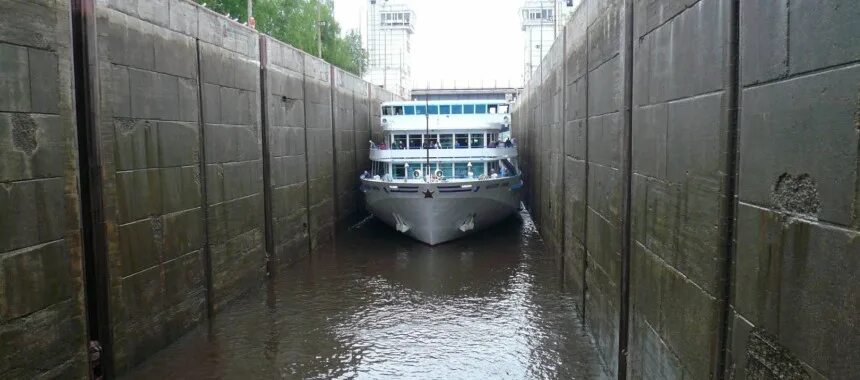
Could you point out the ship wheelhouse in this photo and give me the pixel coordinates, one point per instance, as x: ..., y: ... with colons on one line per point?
x: 444, y: 141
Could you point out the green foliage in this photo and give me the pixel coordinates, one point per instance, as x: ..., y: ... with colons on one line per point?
x: 295, y: 22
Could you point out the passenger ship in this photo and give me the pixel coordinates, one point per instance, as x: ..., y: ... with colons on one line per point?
x: 445, y: 168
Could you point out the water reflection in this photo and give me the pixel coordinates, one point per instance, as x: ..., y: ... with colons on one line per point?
x: 380, y: 305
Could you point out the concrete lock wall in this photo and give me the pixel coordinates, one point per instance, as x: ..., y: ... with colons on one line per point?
x: 709, y: 202
x: 42, y: 316
x: 209, y: 152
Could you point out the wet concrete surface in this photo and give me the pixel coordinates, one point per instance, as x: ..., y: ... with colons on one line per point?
x: 375, y: 304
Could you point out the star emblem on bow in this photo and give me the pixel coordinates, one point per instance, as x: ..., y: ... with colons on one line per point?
x: 428, y: 193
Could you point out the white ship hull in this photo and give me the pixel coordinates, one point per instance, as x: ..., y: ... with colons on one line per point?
x: 442, y: 211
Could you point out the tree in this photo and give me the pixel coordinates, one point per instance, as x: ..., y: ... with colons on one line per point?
x: 295, y: 22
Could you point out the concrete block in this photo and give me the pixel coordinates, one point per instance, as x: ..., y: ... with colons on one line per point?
x: 33, y: 213
x: 33, y: 278
x: 813, y: 22
x: 184, y: 282
x: 286, y: 112
x: 209, y: 27
x: 237, y: 265
x: 285, y: 56
x: 248, y: 74
x: 696, y: 138
x: 237, y: 106
x: 125, y: 6
x: 189, y: 109
x: 811, y: 304
x: 59, y: 347
x: 700, y: 257
x: 175, y: 53
x: 604, y: 192
x: 182, y: 233
x: 289, y: 200
x: 576, y: 99
x: 142, y: 297
x: 288, y: 170
x: 763, y: 41
x: 687, y: 55
x: 138, y: 194
x: 119, y: 87
x: 241, y: 179
x: 154, y: 11
x: 24, y: 23
x: 604, y: 245
x: 217, y: 66
x: 576, y: 40
x: 183, y: 17
x: 605, y: 140
x: 287, y: 141
x: 221, y: 143
x: 44, y: 81
x: 650, y: 135
x: 320, y: 189
x: 136, y: 144
x: 31, y: 146
x: 14, y: 78
x: 154, y: 95
x: 178, y: 143
x: 604, y: 34
x: 187, y: 314
x: 649, y: 356
x: 650, y: 14
x: 248, y: 143
x: 140, y: 244
x: 139, y: 44
x: 689, y: 324
x: 211, y: 103
x: 757, y: 266
x: 642, y: 87
x: 601, y: 305
x: 604, y: 88
x: 180, y: 188
x: 647, y: 281
x: 798, y: 145
x: 656, y: 216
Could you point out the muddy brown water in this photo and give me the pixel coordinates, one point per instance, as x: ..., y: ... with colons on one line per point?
x: 377, y: 305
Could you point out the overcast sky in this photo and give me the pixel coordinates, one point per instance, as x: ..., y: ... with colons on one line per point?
x: 456, y: 39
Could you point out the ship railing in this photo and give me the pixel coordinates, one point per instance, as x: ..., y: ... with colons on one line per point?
x: 435, y: 154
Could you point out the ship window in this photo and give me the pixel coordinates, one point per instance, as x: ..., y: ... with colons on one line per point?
x: 492, y: 168
x: 420, y: 110
x: 476, y: 141
x: 399, y: 142
x: 461, y: 140
x: 414, y: 141
x: 446, y: 141
x: 444, y: 110
x: 480, y: 108
x: 409, y: 110
x: 492, y: 108
x: 457, y: 109
x: 386, y: 110
x: 469, y: 108
x: 461, y: 170
x: 413, y: 166
x: 446, y: 168
x: 433, y: 110
x: 399, y: 171
x: 478, y: 168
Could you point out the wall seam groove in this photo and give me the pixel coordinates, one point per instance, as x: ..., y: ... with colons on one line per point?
x: 729, y: 201
x: 204, y: 199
